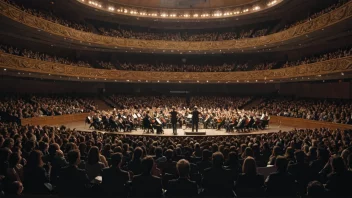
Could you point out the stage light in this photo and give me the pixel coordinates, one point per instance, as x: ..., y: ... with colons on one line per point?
x: 111, y: 8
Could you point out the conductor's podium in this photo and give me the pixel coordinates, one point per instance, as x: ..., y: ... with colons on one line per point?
x: 200, y: 132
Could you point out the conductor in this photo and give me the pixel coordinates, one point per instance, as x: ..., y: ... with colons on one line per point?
x: 195, y: 118
x: 174, y: 120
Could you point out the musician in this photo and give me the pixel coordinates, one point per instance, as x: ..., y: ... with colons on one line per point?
x: 174, y: 120
x: 147, y: 124
x: 195, y: 118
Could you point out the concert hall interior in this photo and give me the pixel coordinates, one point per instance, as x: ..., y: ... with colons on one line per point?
x: 175, y: 98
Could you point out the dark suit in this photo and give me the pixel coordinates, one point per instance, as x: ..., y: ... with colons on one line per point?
x: 217, y: 182
x: 114, y: 181
x: 34, y: 180
x: 72, y: 181
x: 339, y: 184
x: 249, y: 185
x: 280, y: 184
x: 174, y: 121
x: 195, y: 120
x: 146, y: 186
x: 302, y: 174
x: 182, y: 187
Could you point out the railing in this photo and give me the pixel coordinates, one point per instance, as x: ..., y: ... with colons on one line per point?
x: 328, y: 19
x: 23, y: 64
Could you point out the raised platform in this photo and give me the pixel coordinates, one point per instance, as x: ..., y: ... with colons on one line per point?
x: 200, y: 132
x: 80, y: 126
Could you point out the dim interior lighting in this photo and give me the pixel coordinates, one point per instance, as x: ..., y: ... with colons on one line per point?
x: 4, y: 69
x: 342, y: 74
x: 111, y: 8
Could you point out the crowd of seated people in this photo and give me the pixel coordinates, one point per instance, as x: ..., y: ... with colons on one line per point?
x: 337, y: 111
x: 36, y: 106
x: 146, y: 35
x: 164, y: 67
x: 183, y: 36
x: 318, y: 14
x: 41, y: 56
x: 49, y: 16
x: 327, y: 56
x: 49, y: 160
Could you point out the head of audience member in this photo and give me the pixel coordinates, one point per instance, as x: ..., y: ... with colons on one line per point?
x: 14, y: 160
x: 15, y: 188
x: 300, y: 156
x: 206, y: 155
x: 281, y: 164
x: 249, y: 166
x: 74, y: 157
x: 147, y: 165
x: 93, y: 155
x: 35, y: 159
x: 338, y: 165
x: 218, y: 159
x: 169, y: 153
x: 183, y: 168
x: 116, y: 159
x: 137, y: 154
x: 315, y: 189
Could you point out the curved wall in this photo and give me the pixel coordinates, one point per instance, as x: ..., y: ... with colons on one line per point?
x: 37, y: 66
x: 328, y: 19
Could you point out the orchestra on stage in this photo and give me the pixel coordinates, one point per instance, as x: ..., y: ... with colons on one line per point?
x: 156, y: 119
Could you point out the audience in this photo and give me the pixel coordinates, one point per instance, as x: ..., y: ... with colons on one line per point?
x: 337, y: 111
x: 162, y: 67
x: 211, y: 176
x: 40, y: 56
x: 37, y: 106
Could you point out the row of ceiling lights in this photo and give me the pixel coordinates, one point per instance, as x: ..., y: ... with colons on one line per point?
x: 218, y: 13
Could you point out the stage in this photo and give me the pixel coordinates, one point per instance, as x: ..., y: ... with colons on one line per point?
x: 80, y: 126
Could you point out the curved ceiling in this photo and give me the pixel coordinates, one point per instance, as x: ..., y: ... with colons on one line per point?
x: 193, y: 4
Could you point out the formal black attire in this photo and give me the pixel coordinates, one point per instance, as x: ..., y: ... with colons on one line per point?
x: 218, y: 182
x: 195, y: 120
x: 35, y: 179
x: 249, y: 185
x: 114, y: 181
x: 339, y: 184
x: 281, y: 184
x: 174, y: 121
x: 72, y: 182
x: 182, y: 187
x: 146, y: 185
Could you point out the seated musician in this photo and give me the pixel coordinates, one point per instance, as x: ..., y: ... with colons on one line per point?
x: 232, y: 124
x: 147, y: 123
x: 120, y: 125
x: 157, y: 125
x: 127, y: 125
x: 112, y: 124
x: 241, y: 122
x: 97, y: 124
x: 221, y: 122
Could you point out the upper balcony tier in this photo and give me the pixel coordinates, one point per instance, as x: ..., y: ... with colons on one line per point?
x: 31, y: 68
x: 293, y: 36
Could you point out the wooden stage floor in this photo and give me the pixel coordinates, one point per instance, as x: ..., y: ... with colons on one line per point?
x: 80, y: 126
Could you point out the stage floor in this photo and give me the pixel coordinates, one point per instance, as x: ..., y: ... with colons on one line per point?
x: 80, y: 126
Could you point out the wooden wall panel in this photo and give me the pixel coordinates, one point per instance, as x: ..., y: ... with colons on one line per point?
x: 55, y: 120
x: 304, y: 123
